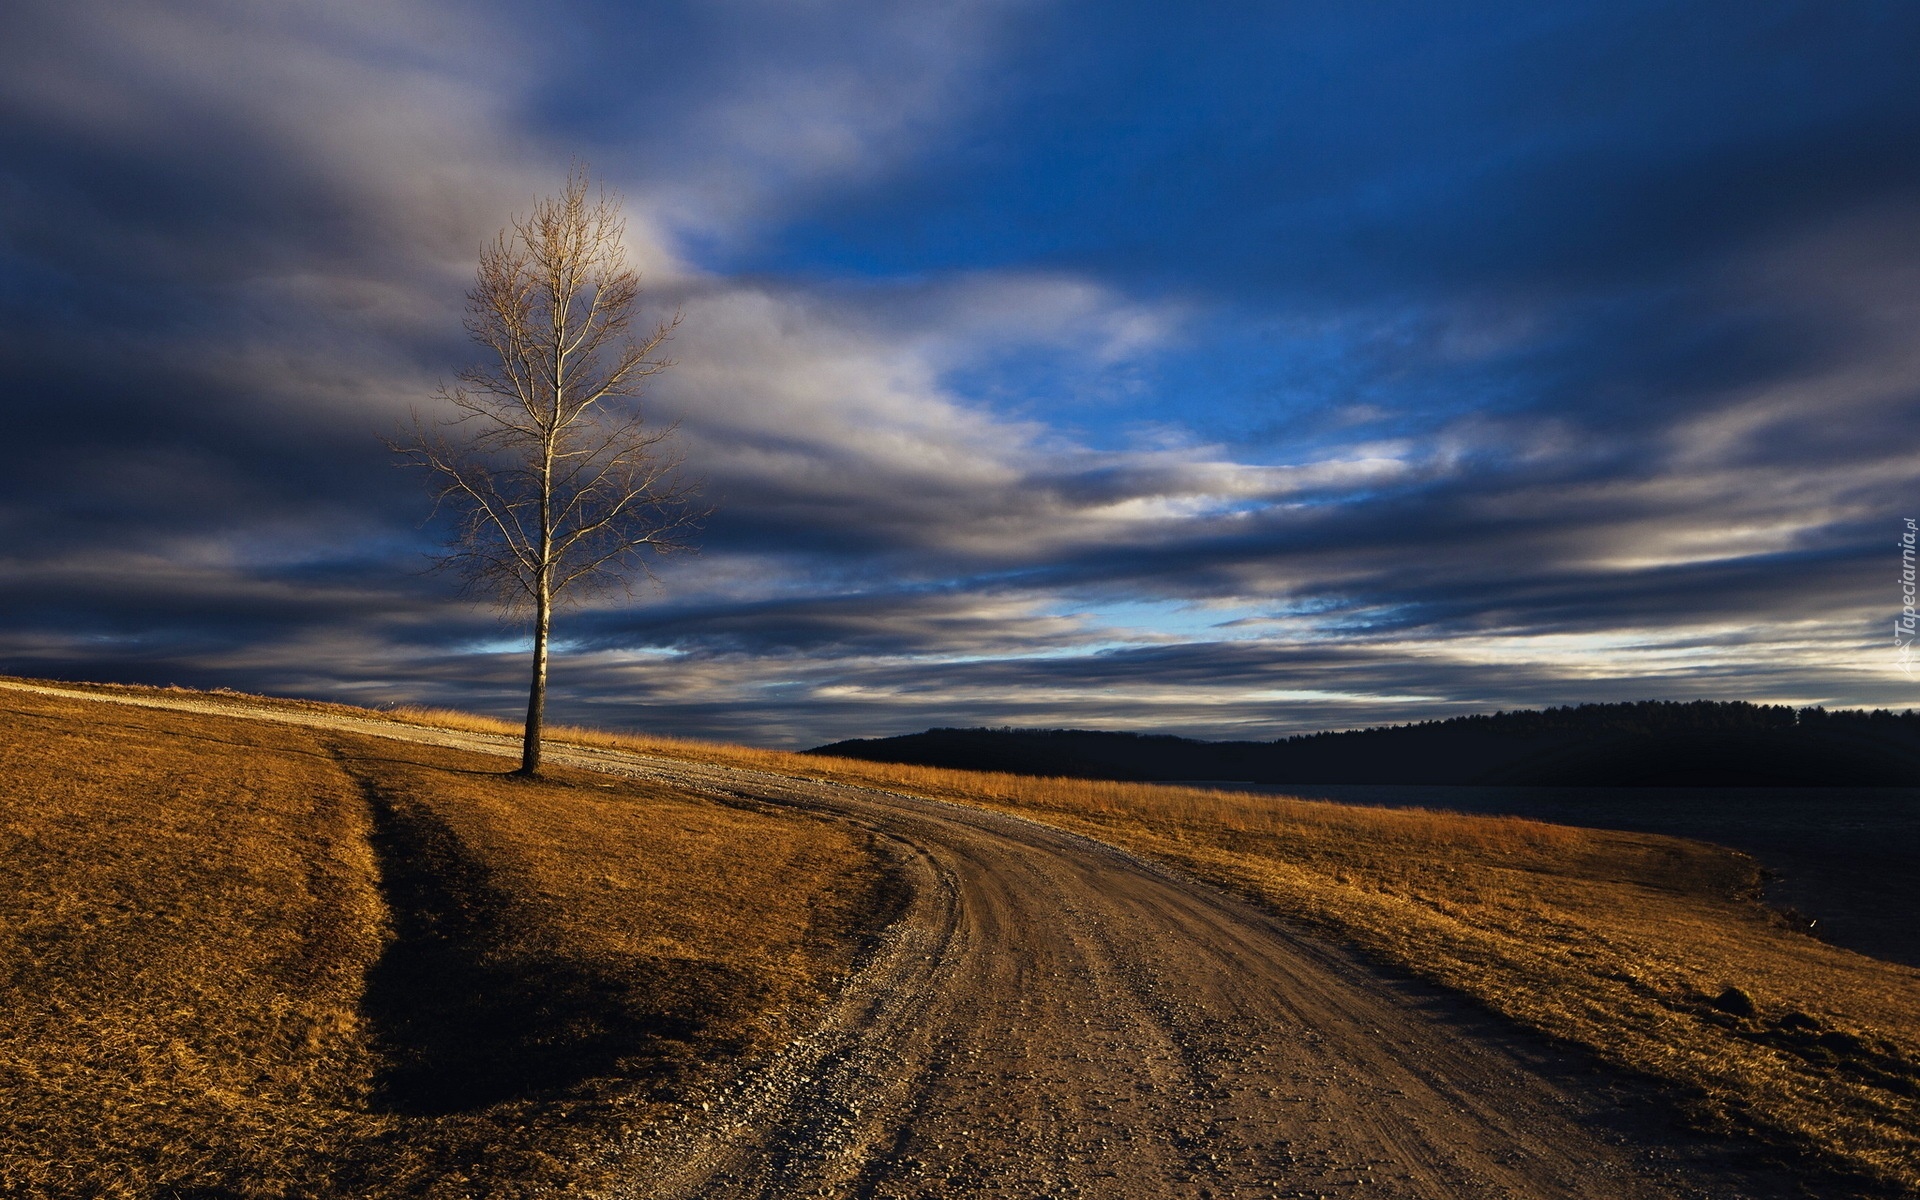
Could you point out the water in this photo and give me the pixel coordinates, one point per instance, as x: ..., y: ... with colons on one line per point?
x: 1848, y: 858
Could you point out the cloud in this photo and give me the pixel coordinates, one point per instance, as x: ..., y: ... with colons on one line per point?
x: 1048, y: 366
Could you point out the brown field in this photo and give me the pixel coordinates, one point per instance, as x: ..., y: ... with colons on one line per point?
x: 243, y: 959
x: 1655, y: 953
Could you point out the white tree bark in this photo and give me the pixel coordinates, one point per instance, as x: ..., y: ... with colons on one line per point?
x: 558, y: 485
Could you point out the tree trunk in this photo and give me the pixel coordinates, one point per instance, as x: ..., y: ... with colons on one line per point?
x: 537, y: 694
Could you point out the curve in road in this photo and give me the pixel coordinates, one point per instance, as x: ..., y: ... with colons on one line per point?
x: 1052, y: 1017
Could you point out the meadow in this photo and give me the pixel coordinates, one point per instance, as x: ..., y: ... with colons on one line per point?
x: 246, y: 959
x: 1657, y: 954
x: 1847, y: 859
x: 154, y: 1010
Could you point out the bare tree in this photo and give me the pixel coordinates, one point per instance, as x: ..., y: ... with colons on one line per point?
x: 559, y: 485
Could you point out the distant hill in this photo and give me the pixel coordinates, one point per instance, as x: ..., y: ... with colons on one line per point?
x: 1652, y: 743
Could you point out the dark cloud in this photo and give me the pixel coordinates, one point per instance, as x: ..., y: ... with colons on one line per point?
x: 1051, y: 364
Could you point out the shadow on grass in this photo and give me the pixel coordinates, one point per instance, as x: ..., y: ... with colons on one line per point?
x: 468, y: 1015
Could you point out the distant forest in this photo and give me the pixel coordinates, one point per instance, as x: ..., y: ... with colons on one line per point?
x: 1652, y: 743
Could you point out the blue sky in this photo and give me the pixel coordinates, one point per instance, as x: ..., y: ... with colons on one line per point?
x: 1234, y: 371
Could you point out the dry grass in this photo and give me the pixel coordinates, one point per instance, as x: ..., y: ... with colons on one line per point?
x: 183, y: 938
x: 1618, y: 942
x: 241, y: 959
x: 1623, y: 943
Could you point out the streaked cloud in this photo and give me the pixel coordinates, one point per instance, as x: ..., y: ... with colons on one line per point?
x: 1049, y: 365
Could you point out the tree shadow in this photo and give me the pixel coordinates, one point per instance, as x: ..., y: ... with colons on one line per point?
x: 466, y: 1016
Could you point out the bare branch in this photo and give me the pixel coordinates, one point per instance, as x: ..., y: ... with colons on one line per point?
x: 557, y: 485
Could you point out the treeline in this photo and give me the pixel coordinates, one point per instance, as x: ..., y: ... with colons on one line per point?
x: 1647, y: 743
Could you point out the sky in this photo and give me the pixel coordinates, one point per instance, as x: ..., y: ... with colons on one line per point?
x: 1230, y: 370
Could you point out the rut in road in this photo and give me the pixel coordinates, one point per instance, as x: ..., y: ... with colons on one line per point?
x: 1052, y: 1017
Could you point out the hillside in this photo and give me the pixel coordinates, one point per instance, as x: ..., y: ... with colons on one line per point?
x: 1655, y: 954
x: 244, y: 959
x: 252, y: 959
x: 1651, y: 743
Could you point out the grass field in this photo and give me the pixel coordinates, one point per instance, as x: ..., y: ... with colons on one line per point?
x: 1652, y: 952
x: 1655, y: 953
x: 242, y: 959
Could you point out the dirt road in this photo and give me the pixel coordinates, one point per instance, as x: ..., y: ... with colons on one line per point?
x: 1051, y: 1017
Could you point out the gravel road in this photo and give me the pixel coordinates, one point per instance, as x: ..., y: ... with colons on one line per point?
x: 1052, y: 1017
